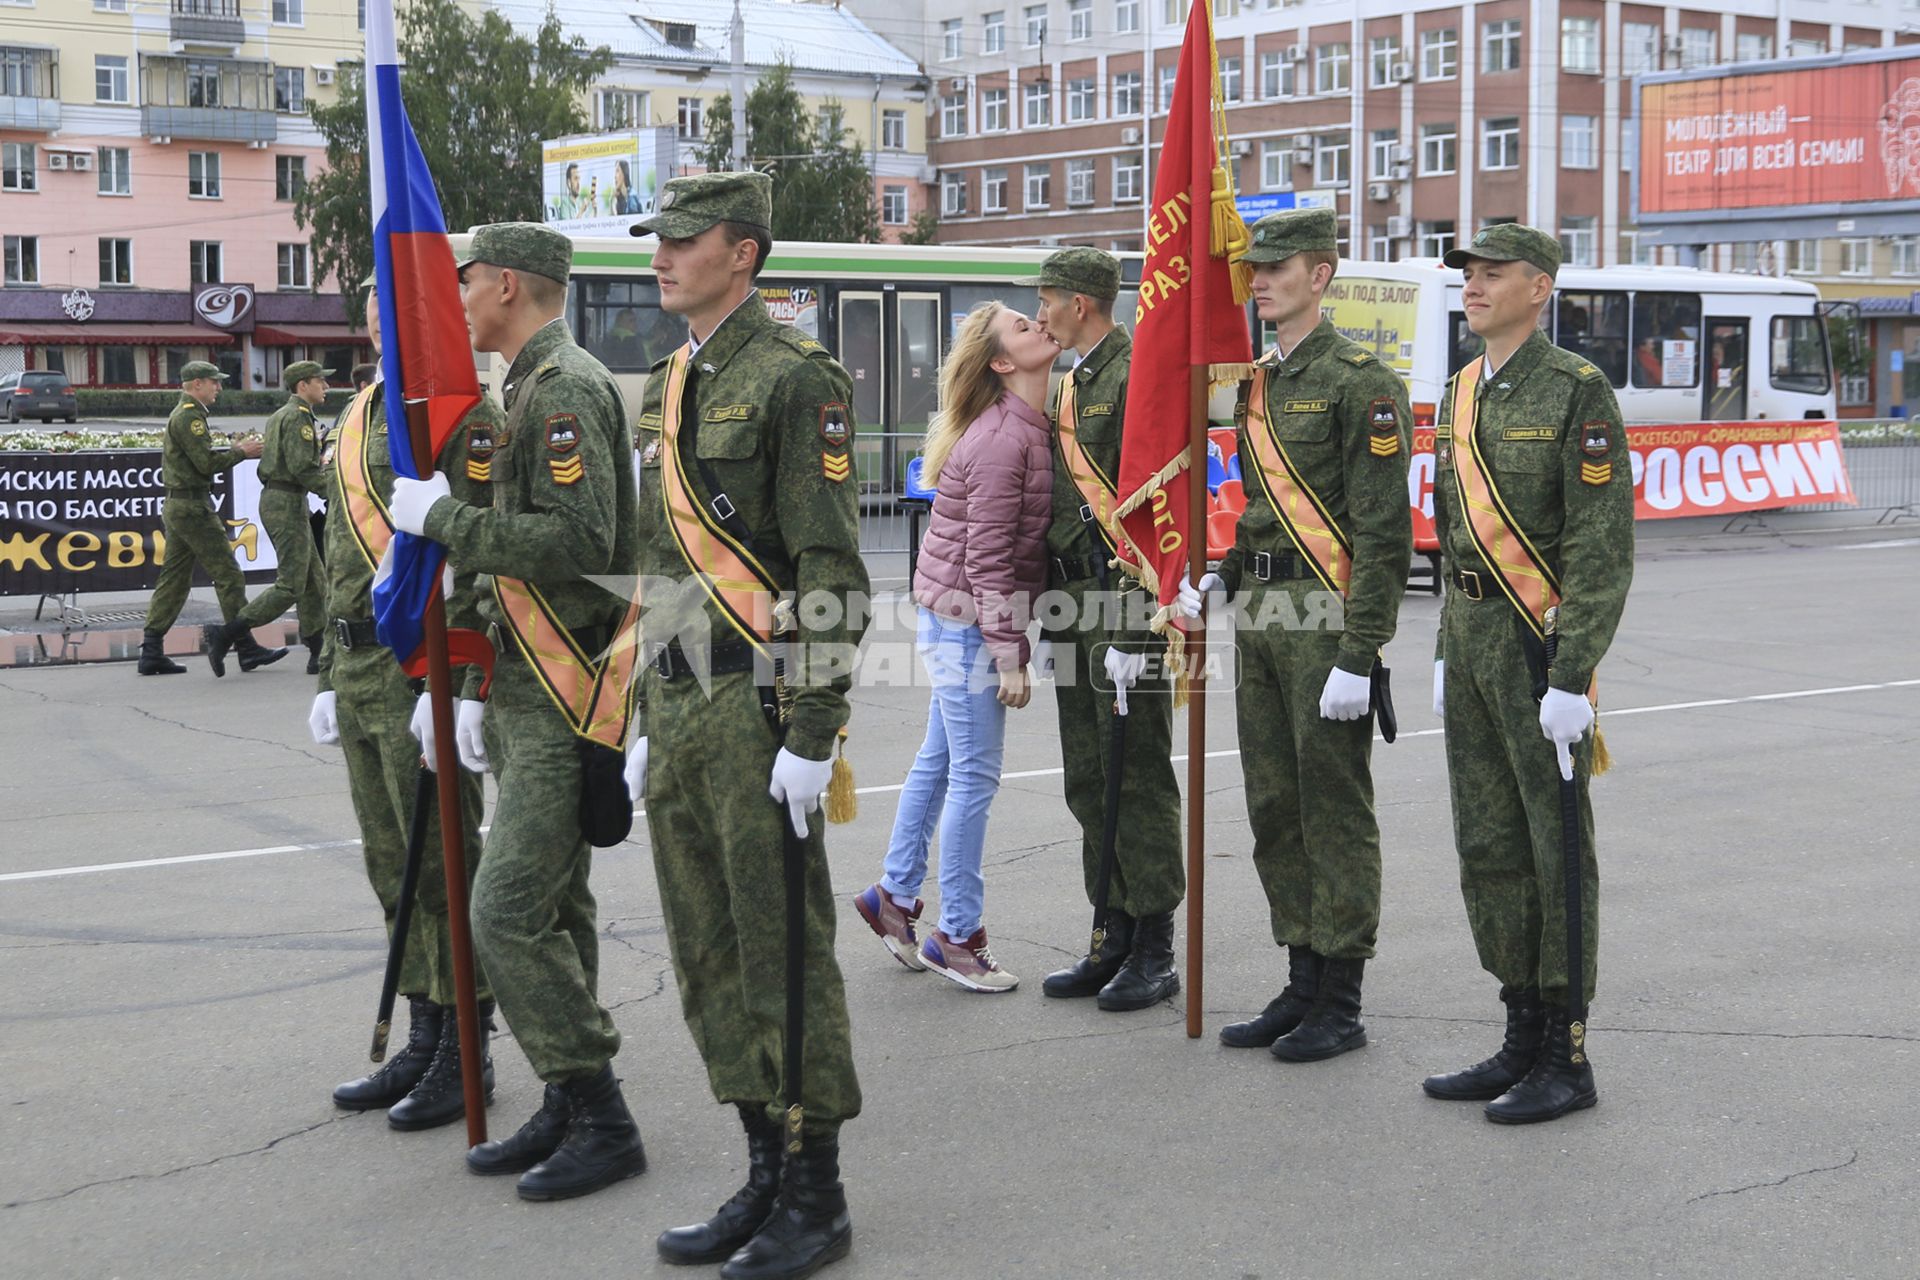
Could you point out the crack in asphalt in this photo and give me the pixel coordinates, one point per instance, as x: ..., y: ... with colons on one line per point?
x: 335, y: 758
x: 1848, y: 1163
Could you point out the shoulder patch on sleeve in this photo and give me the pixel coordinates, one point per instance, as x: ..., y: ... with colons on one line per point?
x: 1596, y: 438
x: 1596, y: 473
x: 836, y: 425
x: 836, y: 466
x: 563, y: 432
x: 566, y: 471
x: 198, y: 426
x: 306, y: 432
x: 1383, y: 423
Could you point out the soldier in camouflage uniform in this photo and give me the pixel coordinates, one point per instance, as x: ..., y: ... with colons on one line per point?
x: 1543, y: 429
x: 289, y: 470
x: 364, y: 704
x: 762, y: 417
x: 1318, y: 566
x: 190, y: 458
x: 562, y: 513
x: 1134, y: 968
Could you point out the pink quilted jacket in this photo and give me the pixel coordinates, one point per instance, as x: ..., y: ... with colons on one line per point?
x: 984, y: 558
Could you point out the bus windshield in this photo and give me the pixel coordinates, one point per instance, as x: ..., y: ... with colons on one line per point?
x: 1800, y: 361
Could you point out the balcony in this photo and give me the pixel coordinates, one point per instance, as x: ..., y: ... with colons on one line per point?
x: 207, y: 22
x: 29, y: 88
x: 207, y: 99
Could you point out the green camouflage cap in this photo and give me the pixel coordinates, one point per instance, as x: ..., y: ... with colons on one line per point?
x: 300, y: 370
x: 521, y: 246
x: 373, y: 278
x: 1082, y: 270
x: 1509, y: 242
x: 1279, y: 236
x: 201, y: 369
x: 688, y: 206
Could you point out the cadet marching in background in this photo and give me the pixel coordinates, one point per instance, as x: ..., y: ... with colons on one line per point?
x: 561, y: 513
x: 748, y: 495
x: 290, y: 469
x: 1318, y: 566
x: 1106, y: 658
x: 1533, y: 504
x: 191, y: 456
x: 365, y: 704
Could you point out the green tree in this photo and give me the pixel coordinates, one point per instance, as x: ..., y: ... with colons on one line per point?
x: 481, y: 97
x: 925, y: 228
x: 822, y: 188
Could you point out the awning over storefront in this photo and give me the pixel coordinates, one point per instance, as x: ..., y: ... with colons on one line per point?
x: 311, y: 335
x: 113, y: 335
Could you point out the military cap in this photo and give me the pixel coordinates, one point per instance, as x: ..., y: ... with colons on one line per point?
x: 373, y: 278
x: 1081, y: 270
x: 1279, y: 236
x: 201, y: 369
x: 521, y: 246
x: 1509, y: 242
x: 300, y: 370
x: 689, y: 205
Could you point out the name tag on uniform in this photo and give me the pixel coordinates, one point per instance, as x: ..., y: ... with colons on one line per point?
x: 730, y: 413
x: 1529, y: 433
x: 1097, y: 411
x: 1304, y: 406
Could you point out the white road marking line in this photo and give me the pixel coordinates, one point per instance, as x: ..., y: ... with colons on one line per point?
x: 891, y: 788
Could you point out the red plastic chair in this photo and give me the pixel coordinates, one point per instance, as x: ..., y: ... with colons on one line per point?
x: 1426, y: 545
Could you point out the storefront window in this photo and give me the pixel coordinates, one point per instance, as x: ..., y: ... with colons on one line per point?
x: 116, y: 366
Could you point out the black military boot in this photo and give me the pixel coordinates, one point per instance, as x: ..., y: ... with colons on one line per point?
x: 533, y: 1142
x: 153, y: 657
x: 253, y: 654
x: 1485, y: 1081
x: 715, y: 1239
x: 1085, y: 976
x: 602, y: 1144
x: 1148, y: 975
x: 398, y: 1074
x: 439, y: 1097
x: 313, y: 644
x: 1561, y: 1079
x: 1332, y: 1026
x: 808, y: 1227
x: 1285, y: 1011
x: 221, y: 637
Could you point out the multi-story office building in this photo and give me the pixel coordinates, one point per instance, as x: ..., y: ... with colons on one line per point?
x: 150, y: 149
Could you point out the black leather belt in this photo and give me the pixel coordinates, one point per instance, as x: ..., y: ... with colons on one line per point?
x: 1473, y: 585
x: 1284, y: 566
x: 355, y: 633
x: 722, y: 659
x: 281, y: 486
x: 1071, y: 568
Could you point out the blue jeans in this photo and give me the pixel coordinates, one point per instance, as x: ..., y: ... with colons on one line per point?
x: 954, y: 777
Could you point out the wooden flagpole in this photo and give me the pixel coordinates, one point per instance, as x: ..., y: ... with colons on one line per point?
x: 1195, y: 654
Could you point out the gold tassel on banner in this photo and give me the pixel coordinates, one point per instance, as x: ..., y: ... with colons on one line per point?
x: 842, y: 804
x: 1602, y: 758
x: 1227, y: 234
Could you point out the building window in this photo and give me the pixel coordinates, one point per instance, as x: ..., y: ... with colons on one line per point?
x: 116, y: 366
x: 1380, y: 160
x: 950, y: 38
x: 290, y: 90
x: 1749, y: 46
x: 1502, y: 46
x: 1439, y: 54
x: 1230, y: 79
x: 23, y: 259
x: 1439, y: 150
x: 622, y: 109
x: 1580, y: 241
x: 203, y: 174
x: 1039, y: 100
x: 1803, y: 257
x: 116, y: 261
x: 1332, y: 163
x: 1856, y: 257
x: 204, y: 260
x: 1080, y: 99
x: 289, y: 177
x: 993, y: 110
x: 109, y: 79
x: 287, y: 12
x: 17, y: 171
x: 1276, y: 166
x: 1637, y: 252
x: 1436, y: 239
x: 1580, y: 45
x: 953, y: 116
x: 293, y: 266
x: 1639, y: 47
x: 1079, y: 19
x: 1578, y: 135
x: 109, y: 6
x: 1501, y: 143
x: 114, y: 171
x: 203, y: 84
x: 1379, y: 244
x: 688, y: 123
x: 953, y: 194
x: 1039, y: 186
x: 1905, y: 252
x: 993, y: 32
x: 1126, y: 94
x: 1173, y: 13
x: 1226, y: 8
x: 1382, y: 53
x: 1696, y: 46
x: 893, y: 206
x: 1080, y: 179
x: 893, y: 130
x: 993, y: 191
x: 1803, y: 47
x: 1126, y: 16
x: 1163, y: 89
x: 1127, y: 178
x: 1276, y: 77
x: 1332, y: 68
x: 1036, y: 20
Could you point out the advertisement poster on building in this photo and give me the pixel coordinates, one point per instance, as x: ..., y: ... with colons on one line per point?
x: 798, y: 305
x: 603, y: 183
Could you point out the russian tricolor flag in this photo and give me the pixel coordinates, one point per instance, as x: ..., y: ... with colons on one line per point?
x: 425, y: 356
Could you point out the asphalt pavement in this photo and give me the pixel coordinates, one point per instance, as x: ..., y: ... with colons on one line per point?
x: 192, y: 957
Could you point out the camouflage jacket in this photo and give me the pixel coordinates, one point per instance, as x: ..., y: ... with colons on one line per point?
x: 290, y: 453
x: 192, y: 455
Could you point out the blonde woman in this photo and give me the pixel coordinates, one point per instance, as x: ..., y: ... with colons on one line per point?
x: 981, y: 565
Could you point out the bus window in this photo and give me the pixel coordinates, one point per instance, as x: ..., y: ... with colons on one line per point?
x: 622, y: 326
x: 1594, y: 326
x: 1666, y: 339
x: 1800, y: 361
x: 1464, y: 345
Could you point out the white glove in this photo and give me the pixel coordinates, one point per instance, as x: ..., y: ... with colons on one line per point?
x: 412, y: 499
x: 1564, y: 719
x: 1043, y: 659
x: 468, y: 740
x: 637, y: 771
x: 322, y: 723
x: 798, y: 783
x: 421, y: 726
x: 1124, y: 670
x: 1440, y: 689
x: 1346, y: 696
x: 1192, y: 597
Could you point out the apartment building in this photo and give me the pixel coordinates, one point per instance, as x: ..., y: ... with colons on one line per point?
x: 150, y: 152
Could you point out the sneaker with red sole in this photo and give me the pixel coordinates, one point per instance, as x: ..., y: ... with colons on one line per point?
x: 969, y: 963
x: 893, y: 923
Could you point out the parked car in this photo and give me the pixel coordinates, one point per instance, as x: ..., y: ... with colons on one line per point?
x: 38, y: 394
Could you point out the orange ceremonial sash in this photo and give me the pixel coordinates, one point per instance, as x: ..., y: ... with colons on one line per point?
x: 1095, y: 490
x: 1309, y: 525
x: 367, y: 516
x: 1529, y: 583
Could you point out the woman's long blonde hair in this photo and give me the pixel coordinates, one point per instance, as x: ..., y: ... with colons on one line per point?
x: 968, y: 387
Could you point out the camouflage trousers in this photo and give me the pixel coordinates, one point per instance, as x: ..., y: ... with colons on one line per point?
x: 1505, y: 785
x: 1149, y: 875
x: 374, y: 705
x: 194, y: 535
x: 718, y: 854
x: 298, y: 579
x: 533, y: 913
x: 1309, y: 784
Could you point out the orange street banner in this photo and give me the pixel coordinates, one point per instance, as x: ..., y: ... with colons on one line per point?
x: 1192, y: 315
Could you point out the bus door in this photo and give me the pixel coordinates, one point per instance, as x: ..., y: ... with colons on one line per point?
x: 861, y: 344
x: 1725, y: 386
x: 913, y: 376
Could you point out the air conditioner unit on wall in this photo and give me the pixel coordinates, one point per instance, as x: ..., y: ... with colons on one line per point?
x: 1403, y: 169
x: 1241, y: 147
x: 1294, y: 53
x: 1402, y: 153
x: 82, y: 161
x: 1379, y: 191
x: 323, y: 76
x: 1303, y: 148
x: 56, y: 159
x: 1401, y: 72
x: 1399, y: 227
x: 1130, y: 137
x: 1675, y: 45
x: 957, y: 85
